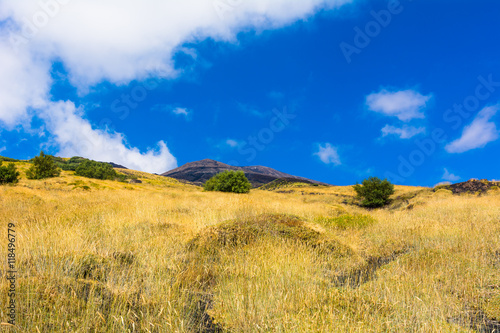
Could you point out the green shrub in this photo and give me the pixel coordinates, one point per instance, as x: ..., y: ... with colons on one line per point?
x: 8, y: 174
x: 71, y: 164
x: 123, y: 178
x: 229, y: 181
x: 374, y: 192
x: 97, y: 170
x: 8, y: 159
x: 43, y: 167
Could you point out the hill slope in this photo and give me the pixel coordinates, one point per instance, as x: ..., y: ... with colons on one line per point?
x: 162, y: 256
x: 200, y: 171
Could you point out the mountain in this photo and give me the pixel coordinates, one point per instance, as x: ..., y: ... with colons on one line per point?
x: 114, y: 165
x: 200, y: 171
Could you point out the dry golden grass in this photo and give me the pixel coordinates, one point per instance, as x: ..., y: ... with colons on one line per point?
x: 104, y: 256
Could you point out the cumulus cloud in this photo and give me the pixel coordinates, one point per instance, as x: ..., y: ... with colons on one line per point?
x: 328, y: 154
x: 181, y: 112
x: 186, y: 113
x: 447, y: 176
x: 24, y: 83
x: 478, y: 134
x: 176, y: 110
x: 123, y: 40
x: 232, y: 143
x: 405, y: 132
x: 405, y: 104
x: 75, y: 137
x: 117, y: 41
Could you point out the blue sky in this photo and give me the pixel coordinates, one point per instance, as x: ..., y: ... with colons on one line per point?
x: 335, y: 91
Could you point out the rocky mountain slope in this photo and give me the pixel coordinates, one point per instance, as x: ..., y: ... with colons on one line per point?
x: 200, y: 171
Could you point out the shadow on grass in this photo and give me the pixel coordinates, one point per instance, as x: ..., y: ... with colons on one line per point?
x: 368, y: 271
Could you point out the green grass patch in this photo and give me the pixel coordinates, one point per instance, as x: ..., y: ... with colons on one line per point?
x: 348, y: 221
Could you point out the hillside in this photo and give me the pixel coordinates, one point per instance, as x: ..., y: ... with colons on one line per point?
x: 200, y: 171
x: 164, y: 256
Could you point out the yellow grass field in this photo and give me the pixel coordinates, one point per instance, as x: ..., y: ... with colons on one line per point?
x: 161, y: 256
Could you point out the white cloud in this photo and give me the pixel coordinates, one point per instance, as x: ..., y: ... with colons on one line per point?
x: 405, y: 104
x: 182, y: 112
x: 328, y: 154
x: 232, y: 143
x: 123, y: 40
x: 251, y: 110
x: 116, y: 41
x: 447, y: 176
x: 178, y: 111
x: 24, y: 83
x: 405, y: 132
x: 478, y: 134
x: 75, y: 137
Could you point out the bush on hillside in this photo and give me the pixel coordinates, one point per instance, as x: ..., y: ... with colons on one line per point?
x: 71, y: 164
x: 229, y: 181
x: 8, y: 159
x: 43, y: 167
x: 97, y: 170
x: 374, y: 192
x: 8, y: 174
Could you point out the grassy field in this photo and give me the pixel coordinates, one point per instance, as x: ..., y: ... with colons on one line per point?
x: 161, y: 256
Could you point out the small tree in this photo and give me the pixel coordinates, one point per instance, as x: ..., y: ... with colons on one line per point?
x: 97, y: 170
x: 229, y: 181
x: 374, y: 192
x: 43, y: 167
x: 8, y: 174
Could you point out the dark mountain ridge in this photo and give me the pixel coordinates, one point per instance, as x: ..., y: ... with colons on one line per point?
x: 200, y: 171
